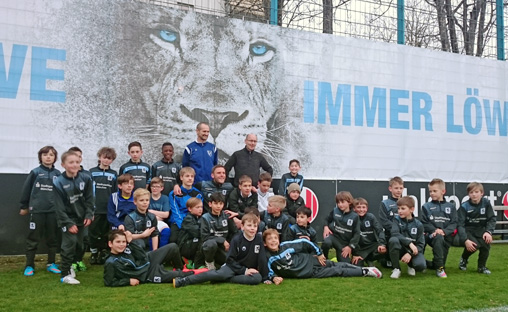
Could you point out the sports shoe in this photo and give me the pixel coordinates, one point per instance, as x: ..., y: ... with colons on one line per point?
x: 179, y: 282
x: 210, y: 265
x: 53, y: 268
x: 72, y: 272
x: 69, y: 280
x: 484, y: 270
x: 188, y: 263
x: 463, y: 264
x: 374, y: 272
x: 441, y: 273
x: 29, y: 271
x: 411, y: 271
x: 334, y: 259
x: 395, y: 273
x: 94, y: 258
x: 81, y: 266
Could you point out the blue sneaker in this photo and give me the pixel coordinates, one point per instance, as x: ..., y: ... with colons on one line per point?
x: 53, y: 268
x: 29, y: 271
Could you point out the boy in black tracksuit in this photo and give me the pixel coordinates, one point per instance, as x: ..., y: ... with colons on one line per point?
x: 372, y: 242
x: 167, y: 169
x: 141, y: 223
x: 241, y: 198
x: 136, y: 167
x: 407, y: 241
x: 388, y: 211
x: 342, y: 231
x: 189, y: 238
x: 274, y: 218
x: 217, y: 230
x: 439, y: 220
x: 74, y: 211
x: 37, y: 199
x: 303, y: 259
x: 246, y: 259
x: 302, y: 228
x: 129, y: 264
x: 104, y: 183
x: 476, y: 223
x: 293, y: 201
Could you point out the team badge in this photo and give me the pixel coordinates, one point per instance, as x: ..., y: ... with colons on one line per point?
x: 110, y: 178
x: 244, y: 248
x: 482, y: 211
x: 143, y: 170
x: 224, y: 192
x: 127, y: 251
x: 431, y: 217
x: 367, y: 223
x: 224, y: 222
x: 448, y: 210
x: 414, y: 230
x: 256, y: 249
x: 195, y: 240
x: 391, y: 213
x: 279, y: 226
x: 209, y: 153
x: 156, y: 279
x: 32, y: 225
x: 37, y: 184
x: 173, y: 170
x: 350, y: 222
x: 148, y: 223
x: 54, y: 178
x: 81, y: 186
x: 64, y: 229
x: 288, y: 256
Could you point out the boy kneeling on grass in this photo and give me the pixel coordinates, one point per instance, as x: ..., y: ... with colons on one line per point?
x: 301, y: 258
x: 129, y: 264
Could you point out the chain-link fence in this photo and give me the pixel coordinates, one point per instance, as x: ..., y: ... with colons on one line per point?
x: 459, y: 26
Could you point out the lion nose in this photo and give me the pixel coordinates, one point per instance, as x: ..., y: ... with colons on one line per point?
x: 217, y: 121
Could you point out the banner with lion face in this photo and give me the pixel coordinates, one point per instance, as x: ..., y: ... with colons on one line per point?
x: 105, y: 73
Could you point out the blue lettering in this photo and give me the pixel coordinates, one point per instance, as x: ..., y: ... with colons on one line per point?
x: 378, y: 101
x: 325, y: 96
x: 40, y: 73
x: 396, y: 108
x: 308, y: 101
x: 496, y: 118
x: 470, y: 104
x: 450, y: 124
x: 422, y: 112
x: 9, y: 83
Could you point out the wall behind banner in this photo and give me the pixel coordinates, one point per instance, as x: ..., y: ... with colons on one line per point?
x: 14, y: 228
x: 111, y: 72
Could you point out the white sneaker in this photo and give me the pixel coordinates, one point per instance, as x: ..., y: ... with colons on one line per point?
x: 411, y: 271
x: 210, y: 265
x: 395, y: 273
x: 73, y: 273
x: 374, y: 272
x: 69, y: 280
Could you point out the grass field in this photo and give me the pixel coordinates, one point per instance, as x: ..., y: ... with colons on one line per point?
x: 425, y: 292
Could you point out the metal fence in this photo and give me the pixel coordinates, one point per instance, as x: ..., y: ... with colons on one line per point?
x: 460, y: 26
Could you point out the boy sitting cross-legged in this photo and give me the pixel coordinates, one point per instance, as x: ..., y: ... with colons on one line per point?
x: 129, y: 264
x: 246, y: 260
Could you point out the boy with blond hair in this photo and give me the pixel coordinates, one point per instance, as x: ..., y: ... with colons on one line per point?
x: 476, y: 223
x: 159, y: 206
x: 177, y: 203
x: 407, y: 242
x: 245, y: 263
x: 388, y: 211
x: 439, y: 219
x: 141, y: 223
x: 274, y: 218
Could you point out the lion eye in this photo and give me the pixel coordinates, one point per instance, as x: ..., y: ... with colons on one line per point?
x: 260, y: 48
x: 169, y: 35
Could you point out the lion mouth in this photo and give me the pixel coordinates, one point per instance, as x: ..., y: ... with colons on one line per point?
x: 217, y: 120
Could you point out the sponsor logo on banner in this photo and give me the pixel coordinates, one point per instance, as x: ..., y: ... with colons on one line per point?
x: 505, y: 203
x: 311, y: 202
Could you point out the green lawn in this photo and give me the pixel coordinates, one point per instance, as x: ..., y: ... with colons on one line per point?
x: 425, y: 292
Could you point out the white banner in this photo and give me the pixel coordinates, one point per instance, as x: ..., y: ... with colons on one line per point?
x: 105, y: 73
